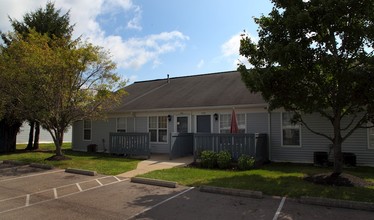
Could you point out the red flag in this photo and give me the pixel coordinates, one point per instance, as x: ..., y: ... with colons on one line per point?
x: 234, y: 124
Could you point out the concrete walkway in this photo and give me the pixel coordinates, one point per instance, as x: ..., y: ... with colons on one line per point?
x: 157, y: 162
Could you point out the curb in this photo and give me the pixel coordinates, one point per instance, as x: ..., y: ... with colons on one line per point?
x: 154, y: 182
x: 42, y: 166
x: 337, y: 203
x: 82, y: 172
x: 232, y: 192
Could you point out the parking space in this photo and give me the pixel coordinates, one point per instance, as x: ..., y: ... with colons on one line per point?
x: 53, y: 194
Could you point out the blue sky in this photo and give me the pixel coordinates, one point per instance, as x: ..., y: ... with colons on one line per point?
x: 151, y: 38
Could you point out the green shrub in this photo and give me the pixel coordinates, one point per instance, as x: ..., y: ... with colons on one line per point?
x: 208, y: 159
x: 223, y: 159
x: 246, y: 162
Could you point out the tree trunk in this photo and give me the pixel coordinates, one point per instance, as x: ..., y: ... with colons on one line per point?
x: 58, y: 143
x: 31, y: 136
x: 37, y: 134
x: 8, y: 135
x: 337, y: 144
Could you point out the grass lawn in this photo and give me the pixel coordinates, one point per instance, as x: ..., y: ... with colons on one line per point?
x: 279, y: 179
x: 102, y: 163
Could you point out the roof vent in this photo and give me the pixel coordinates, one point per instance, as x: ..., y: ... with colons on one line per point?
x: 168, y: 78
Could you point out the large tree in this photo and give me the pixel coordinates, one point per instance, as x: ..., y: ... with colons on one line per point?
x: 316, y: 56
x: 74, y: 80
x: 52, y: 22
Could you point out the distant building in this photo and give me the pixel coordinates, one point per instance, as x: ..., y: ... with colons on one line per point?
x: 45, y: 136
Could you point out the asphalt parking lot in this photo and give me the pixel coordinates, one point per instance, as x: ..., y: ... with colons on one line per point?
x: 33, y: 193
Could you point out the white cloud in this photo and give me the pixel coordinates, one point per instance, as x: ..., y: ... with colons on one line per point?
x: 230, y: 50
x: 130, y: 53
x: 200, y: 64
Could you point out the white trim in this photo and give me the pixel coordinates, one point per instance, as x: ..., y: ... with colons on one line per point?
x: 126, y: 124
x: 299, y: 127
x: 167, y: 130
x: 87, y: 129
x: 368, y: 137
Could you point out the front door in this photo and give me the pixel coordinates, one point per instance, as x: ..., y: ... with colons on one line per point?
x: 203, y: 124
x: 182, y: 124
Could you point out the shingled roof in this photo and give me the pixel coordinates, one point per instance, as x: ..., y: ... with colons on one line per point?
x: 198, y: 91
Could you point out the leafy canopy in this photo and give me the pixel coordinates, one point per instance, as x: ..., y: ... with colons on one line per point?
x: 314, y: 56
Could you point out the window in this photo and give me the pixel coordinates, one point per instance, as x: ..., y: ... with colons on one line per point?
x: 158, y: 128
x: 370, y: 137
x: 290, y: 132
x: 121, y: 124
x: 225, y: 123
x: 87, y: 130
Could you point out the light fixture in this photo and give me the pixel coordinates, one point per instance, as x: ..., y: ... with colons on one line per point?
x: 169, y: 117
x: 215, y: 116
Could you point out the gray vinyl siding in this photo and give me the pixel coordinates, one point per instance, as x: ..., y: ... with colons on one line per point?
x: 310, y: 143
x: 44, y: 136
x: 100, y: 130
x: 141, y: 124
x: 215, y: 125
x: 130, y: 124
x: 257, y: 122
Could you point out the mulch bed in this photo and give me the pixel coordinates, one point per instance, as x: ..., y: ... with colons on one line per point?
x: 343, y: 179
x: 58, y: 158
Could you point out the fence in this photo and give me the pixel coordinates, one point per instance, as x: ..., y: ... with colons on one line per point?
x: 181, y: 144
x: 133, y: 144
x: 236, y: 144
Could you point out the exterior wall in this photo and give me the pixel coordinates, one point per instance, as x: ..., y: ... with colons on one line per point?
x: 99, y: 135
x: 310, y: 143
x: 141, y: 124
x: 257, y: 122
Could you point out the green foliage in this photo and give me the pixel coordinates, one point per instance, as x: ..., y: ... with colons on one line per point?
x: 246, y: 162
x: 53, y: 79
x: 208, y: 159
x: 316, y: 56
x: 224, y: 159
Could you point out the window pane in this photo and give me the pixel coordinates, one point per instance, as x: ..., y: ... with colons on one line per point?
x: 152, y: 122
x: 87, y: 134
x: 224, y: 121
x: 162, y: 122
x: 121, y: 123
x: 87, y: 124
x: 162, y: 135
x: 291, y: 137
x: 241, y: 122
x: 286, y: 118
x: 371, y: 138
x: 153, y: 135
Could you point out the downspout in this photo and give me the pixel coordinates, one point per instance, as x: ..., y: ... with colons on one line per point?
x: 269, y: 132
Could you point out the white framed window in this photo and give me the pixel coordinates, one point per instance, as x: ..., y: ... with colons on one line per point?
x: 121, y: 124
x: 225, y: 123
x: 87, y: 130
x: 291, y: 133
x: 370, y: 136
x: 158, y: 128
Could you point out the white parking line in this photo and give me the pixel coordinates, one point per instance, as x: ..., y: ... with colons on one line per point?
x: 27, y: 203
x: 55, y: 192
x: 79, y: 187
x: 39, y: 174
x: 279, y: 208
x: 99, y: 182
x: 160, y: 203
